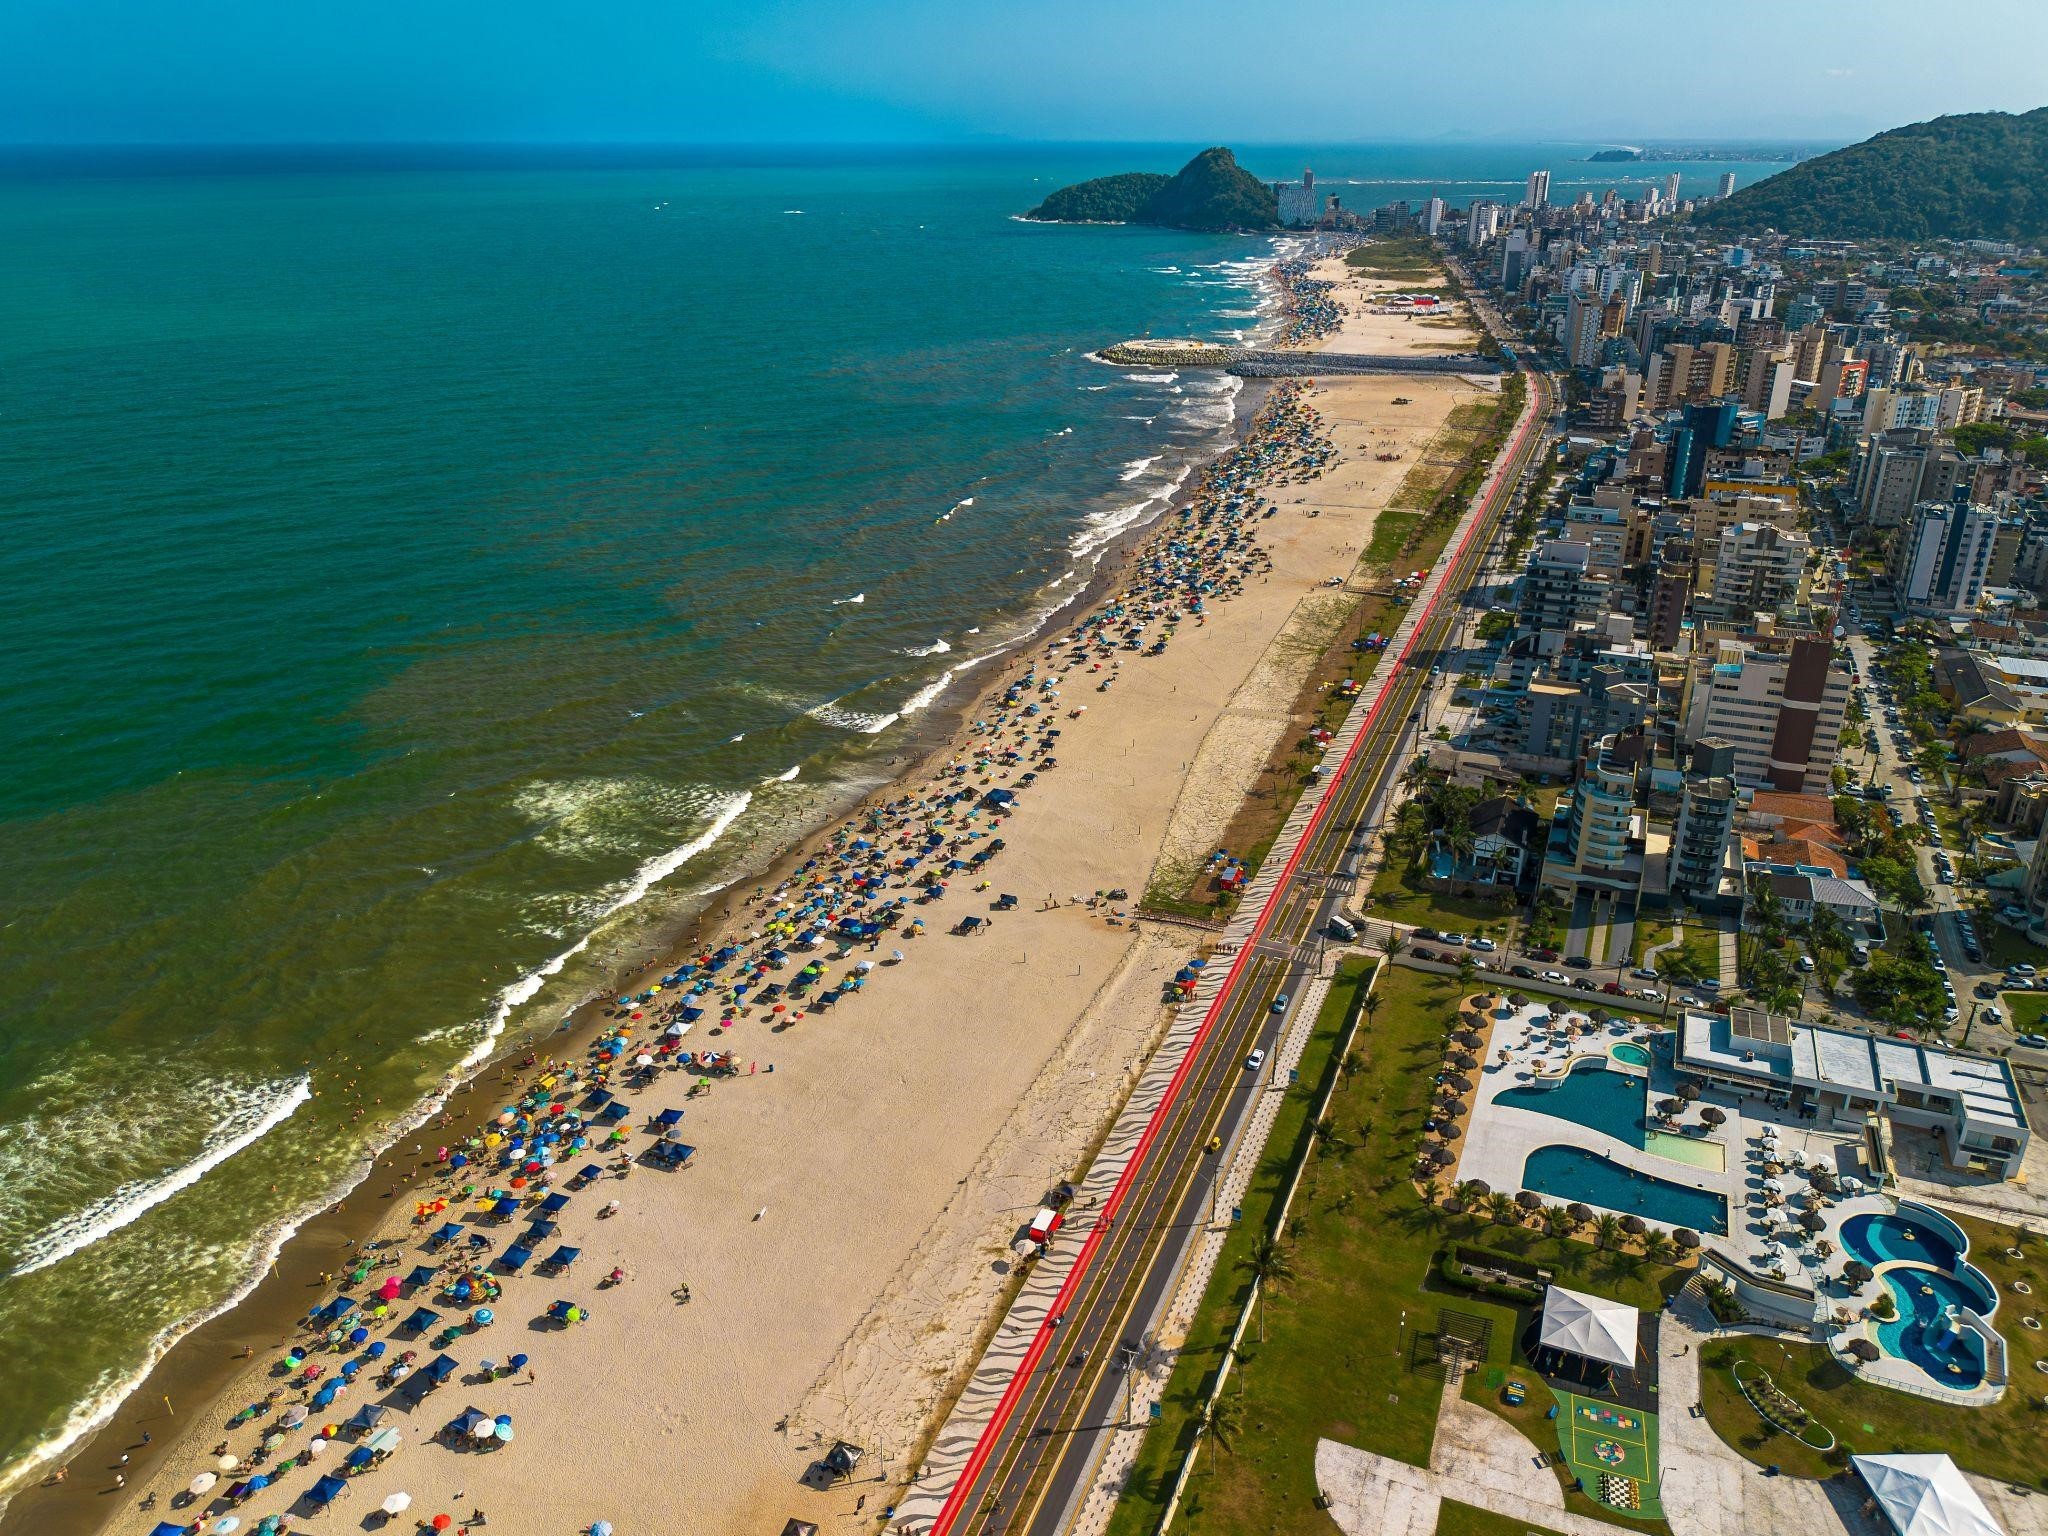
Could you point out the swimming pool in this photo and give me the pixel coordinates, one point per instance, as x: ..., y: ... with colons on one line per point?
x: 1588, y: 1095
x: 1634, y: 1055
x: 1573, y: 1173
x: 1922, y: 1296
x: 1878, y: 1239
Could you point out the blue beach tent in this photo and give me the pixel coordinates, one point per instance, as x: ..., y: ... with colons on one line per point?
x: 669, y: 1118
x: 422, y: 1274
x: 590, y: 1172
x: 514, y: 1259
x: 365, y: 1418
x: 562, y: 1258
x: 325, y: 1492
x: 446, y: 1233
x: 554, y: 1203
x: 505, y: 1206
x: 420, y: 1321
x: 539, y: 1230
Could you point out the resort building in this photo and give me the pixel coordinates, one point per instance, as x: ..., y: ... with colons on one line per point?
x: 1869, y: 1084
x: 1941, y: 557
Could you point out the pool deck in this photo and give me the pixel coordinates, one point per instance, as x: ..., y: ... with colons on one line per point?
x: 1499, y: 1137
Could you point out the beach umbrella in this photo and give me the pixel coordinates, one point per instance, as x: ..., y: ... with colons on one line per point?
x: 483, y: 1430
x: 1685, y: 1237
x: 1528, y: 1199
x: 1579, y: 1213
x: 601, y: 1528
x: 1710, y: 1114
x: 228, y: 1463
x: 441, y: 1522
x: 295, y: 1416
x: 1812, y: 1221
x: 1864, y: 1350
x: 504, y: 1432
x: 376, y: 1350
x: 1635, y: 1226
x: 358, y: 1335
x: 1856, y: 1273
x: 225, y: 1524
x: 201, y: 1483
x: 396, y: 1503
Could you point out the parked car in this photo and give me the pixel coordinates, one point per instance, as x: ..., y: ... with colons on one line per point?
x: 1614, y: 989
x: 1554, y: 976
x: 1586, y: 984
x: 1426, y: 933
x: 1578, y: 962
x: 1545, y: 955
x: 1485, y: 946
x: 2021, y: 970
x: 1423, y: 954
x: 1645, y: 972
x: 1985, y: 990
x: 2033, y: 1042
x: 1526, y: 972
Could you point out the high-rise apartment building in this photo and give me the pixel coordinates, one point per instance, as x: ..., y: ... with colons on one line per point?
x: 1559, y: 588
x: 1777, y: 704
x: 1432, y: 215
x: 1941, y: 557
x: 1727, y: 186
x: 1539, y: 190
x: 1897, y: 470
x: 1599, y: 844
x: 1700, y: 838
x: 1758, y: 568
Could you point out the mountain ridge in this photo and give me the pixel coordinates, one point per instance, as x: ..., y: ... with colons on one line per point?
x: 1211, y: 192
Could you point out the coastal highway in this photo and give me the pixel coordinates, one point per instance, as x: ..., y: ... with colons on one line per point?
x: 1035, y: 1459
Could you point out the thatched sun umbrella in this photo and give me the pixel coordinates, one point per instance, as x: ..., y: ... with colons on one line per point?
x: 1464, y: 1062
x: 1462, y: 1084
x: 1864, y: 1350
x: 1671, y: 1109
x: 1449, y: 1132
x: 1518, y: 1000
x: 1713, y: 1116
x: 1634, y: 1226
x: 1477, y: 1187
x: 1688, y: 1091
x: 1685, y: 1237
x: 1813, y: 1221
x: 1529, y: 1200
x: 1579, y: 1213
x: 1450, y: 1107
x: 1856, y: 1272
x: 1470, y: 1040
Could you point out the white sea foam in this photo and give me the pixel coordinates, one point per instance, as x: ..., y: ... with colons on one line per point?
x: 841, y: 602
x: 960, y: 506
x: 1063, y: 432
x: 1151, y: 378
x: 936, y: 648
x: 787, y: 776
x: 829, y: 713
x: 928, y: 695
x: 644, y: 879
x: 1094, y: 388
x: 249, y: 1117
x: 1137, y: 467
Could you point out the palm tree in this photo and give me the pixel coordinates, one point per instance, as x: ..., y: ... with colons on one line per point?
x: 1500, y: 1207
x: 1557, y: 1221
x: 1606, y: 1230
x: 1269, y: 1264
x: 1222, y: 1417
x: 1371, y: 1004
x: 1394, y: 943
x: 1658, y: 1248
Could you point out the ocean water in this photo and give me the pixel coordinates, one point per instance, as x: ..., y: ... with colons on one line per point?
x: 427, y: 575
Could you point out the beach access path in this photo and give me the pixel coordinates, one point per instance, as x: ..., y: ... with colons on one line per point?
x: 896, y: 1149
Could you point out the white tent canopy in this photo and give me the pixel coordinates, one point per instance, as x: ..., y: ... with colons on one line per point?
x: 1926, y: 1495
x: 1590, y: 1326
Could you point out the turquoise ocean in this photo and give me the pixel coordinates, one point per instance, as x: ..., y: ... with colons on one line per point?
x: 428, y: 573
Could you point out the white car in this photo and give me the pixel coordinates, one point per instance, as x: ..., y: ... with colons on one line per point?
x: 1256, y: 1060
x: 1555, y: 976
x: 1455, y: 940
x: 1485, y: 946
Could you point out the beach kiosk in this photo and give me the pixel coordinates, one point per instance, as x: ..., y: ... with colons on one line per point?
x: 1925, y: 1495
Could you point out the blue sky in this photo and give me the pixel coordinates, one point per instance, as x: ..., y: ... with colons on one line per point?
x: 1246, y: 71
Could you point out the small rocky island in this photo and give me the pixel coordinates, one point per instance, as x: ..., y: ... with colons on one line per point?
x: 1211, y: 192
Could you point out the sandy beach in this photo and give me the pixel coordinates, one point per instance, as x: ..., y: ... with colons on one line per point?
x: 844, y: 1229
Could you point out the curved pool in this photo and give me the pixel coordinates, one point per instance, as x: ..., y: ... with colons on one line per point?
x: 1879, y: 1239
x: 1634, y: 1055
x: 1923, y: 1295
x: 1588, y: 1095
x: 1573, y: 1173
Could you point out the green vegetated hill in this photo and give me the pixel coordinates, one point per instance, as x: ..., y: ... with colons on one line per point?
x: 1978, y: 175
x: 1212, y: 191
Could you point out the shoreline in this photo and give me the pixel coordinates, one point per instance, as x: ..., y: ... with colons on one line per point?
x: 197, y: 1370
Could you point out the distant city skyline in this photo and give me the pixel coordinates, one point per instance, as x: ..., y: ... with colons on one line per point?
x: 828, y: 71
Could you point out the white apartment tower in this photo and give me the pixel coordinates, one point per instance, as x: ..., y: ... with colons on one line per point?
x: 1539, y: 190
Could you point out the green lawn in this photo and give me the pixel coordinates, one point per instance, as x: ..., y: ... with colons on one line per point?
x: 2001, y: 1441
x: 1455, y: 1519
x: 1339, y: 1333
x: 2004, y: 946
x: 1399, y: 895
x: 1700, y: 945
x: 2024, y: 1010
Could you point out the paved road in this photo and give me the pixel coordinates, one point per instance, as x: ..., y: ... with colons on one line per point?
x: 1039, y: 1458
